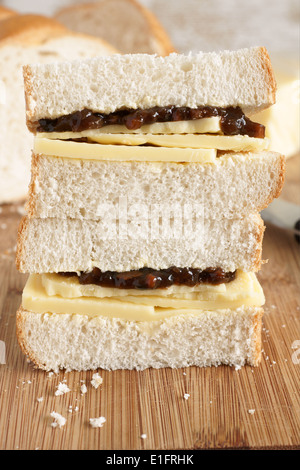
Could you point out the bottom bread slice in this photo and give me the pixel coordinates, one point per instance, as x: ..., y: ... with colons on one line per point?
x: 84, y: 342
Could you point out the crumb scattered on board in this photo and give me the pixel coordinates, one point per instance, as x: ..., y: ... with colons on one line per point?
x: 59, y: 420
x: 96, y: 380
x: 97, y: 422
x: 62, y: 388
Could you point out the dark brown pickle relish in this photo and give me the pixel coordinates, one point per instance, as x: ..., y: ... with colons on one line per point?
x: 147, y: 278
x: 233, y: 120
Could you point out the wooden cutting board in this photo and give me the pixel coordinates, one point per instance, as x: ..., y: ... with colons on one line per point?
x: 248, y: 408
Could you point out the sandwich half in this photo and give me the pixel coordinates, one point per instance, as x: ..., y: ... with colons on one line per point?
x: 142, y: 236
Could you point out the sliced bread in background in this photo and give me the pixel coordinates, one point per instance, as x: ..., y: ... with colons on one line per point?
x: 28, y: 39
x: 126, y: 24
x: 6, y: 13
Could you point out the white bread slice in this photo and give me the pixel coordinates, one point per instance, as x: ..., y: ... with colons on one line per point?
x: 125, y: 24
x: 79, y: 342
x: 55, y: 245
x: 25, y: 39
x: 64, y: 187
x: 105, y: 84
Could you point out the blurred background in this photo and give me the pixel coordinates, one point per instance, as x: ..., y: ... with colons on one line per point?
x: 209, y: 24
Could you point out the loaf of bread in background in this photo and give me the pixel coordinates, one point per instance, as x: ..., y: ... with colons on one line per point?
x: 6, y: 13
x: 28, y: 39
x: 125, y: 24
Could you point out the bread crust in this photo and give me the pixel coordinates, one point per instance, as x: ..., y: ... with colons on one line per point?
x: 27, y: 74
x: 23, y: 343
x: 33, y: 30
x: 30, y: 29
x: 155, y: 27
x: 267, y: 65
x: 281, y: 179
x: 30, y: 205
x: 257, y: 262
x: 257, y: 321
x: 20, y: 242
x: 6, y: 13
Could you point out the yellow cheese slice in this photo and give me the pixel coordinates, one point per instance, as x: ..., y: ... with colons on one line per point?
x: 139, y: 308
x: 237, y: 143
x: 94, y: 151
x: 197, y: 126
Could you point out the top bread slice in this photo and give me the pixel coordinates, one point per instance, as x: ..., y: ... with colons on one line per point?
x: 125, y: 24
x: 140, y: 81
x: 29, y: 39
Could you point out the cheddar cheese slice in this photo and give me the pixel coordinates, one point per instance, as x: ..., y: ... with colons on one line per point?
x: 197, y: 126
x: 95, y: 151
x: 244, y: 291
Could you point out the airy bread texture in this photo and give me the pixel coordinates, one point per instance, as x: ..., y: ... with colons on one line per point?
x: 79, y: 342
x: 55, y: 245
x: 64, y: 187
x: 126, y: 24
x: 29, y: 39
x: 229, y: 78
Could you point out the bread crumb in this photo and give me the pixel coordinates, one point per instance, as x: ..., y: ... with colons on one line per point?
x: 62, y: 388
x: 97, y: 422
x: 186, y: 396
x: 251, y: 412
x: 40, y: 399
x: 96, y: 380
x: 59, y: 420
x: 143, y: 436
x: 83, y: 389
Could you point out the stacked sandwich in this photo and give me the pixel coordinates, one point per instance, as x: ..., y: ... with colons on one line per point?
x: 143, y: 236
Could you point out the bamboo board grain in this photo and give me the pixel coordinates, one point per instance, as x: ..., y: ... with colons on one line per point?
x: 256, y: 408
